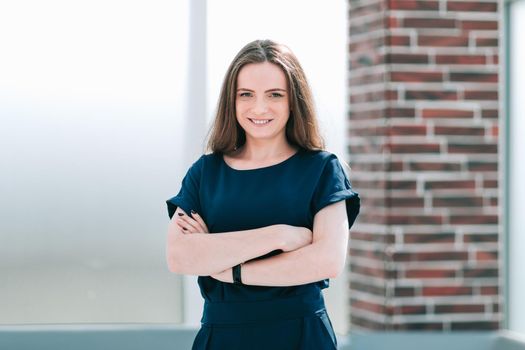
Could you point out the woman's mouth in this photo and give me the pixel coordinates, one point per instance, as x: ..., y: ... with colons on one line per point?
x: 260, y: 122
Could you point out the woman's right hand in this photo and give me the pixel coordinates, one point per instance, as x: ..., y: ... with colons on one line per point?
x: 295, y: 237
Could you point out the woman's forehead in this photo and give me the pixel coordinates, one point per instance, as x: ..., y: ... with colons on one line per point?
x: 261, y: 76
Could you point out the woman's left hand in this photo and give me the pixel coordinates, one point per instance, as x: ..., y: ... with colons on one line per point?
x: 196, y: 224
x: 193, y: 224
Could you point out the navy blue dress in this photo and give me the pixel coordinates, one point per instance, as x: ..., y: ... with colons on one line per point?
x: 290, y: 192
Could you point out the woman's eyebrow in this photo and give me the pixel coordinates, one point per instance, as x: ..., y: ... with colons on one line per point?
x: 276, y: 89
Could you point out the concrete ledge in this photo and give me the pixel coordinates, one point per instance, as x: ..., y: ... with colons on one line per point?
x: 165, y: 336
x: 97, y: 336
x: 423, y: 340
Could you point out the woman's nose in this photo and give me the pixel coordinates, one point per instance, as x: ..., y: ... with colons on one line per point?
x: 260, y: 106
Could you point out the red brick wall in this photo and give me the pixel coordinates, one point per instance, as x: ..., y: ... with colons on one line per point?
x: 423, y: 144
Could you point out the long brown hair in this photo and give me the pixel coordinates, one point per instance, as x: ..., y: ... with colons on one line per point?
x: 302, y: 127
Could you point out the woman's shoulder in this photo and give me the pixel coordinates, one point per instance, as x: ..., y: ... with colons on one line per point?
x: 197, y: 165
x: 324, y: 158
x: 207, y: 160
x: 320, y: 155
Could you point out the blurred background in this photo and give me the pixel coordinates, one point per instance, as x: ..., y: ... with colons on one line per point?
x: 105, y: 104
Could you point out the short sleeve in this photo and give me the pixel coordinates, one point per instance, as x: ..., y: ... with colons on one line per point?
x: 333, y: 186
x: 188, y: 196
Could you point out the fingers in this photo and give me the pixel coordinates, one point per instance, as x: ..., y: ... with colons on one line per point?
x: 198, y: 218
x: 187, y: 224
x: 193, y: 224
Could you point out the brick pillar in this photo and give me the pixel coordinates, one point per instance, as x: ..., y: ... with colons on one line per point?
x: 423, y: 144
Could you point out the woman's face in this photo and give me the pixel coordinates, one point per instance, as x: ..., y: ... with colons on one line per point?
x: 261, y: 100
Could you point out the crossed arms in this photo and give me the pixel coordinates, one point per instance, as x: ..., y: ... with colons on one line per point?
x: 302, y: 261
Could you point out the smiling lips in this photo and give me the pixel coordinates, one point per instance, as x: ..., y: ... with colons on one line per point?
x: 260, y: 121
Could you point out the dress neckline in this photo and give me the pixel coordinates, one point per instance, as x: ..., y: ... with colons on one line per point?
x: 261, y: 168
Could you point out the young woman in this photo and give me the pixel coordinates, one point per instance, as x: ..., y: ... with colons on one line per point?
x: 263, y: 219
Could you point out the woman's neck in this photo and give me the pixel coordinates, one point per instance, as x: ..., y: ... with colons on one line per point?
x: 264, y: 152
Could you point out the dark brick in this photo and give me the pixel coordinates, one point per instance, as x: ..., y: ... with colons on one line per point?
x: 416, y: 76
x: 404, y: 292
x: 397, y: 40
x: 481, y: 219
x: 414, y: 148
x: 429, y: 23
x: 418, y: 326
x: 457, y: 201
x: 459, y: 308
x: 461, y: 59
x: 406, y: 58
x: 430, y: 273
x: 440, y: 256
x: 451, y: 184
x: 367, y: 237
x: 429, y: 238
x: 399, y: 112
x: 405, y: 202
x: 489, y: 113
x: 431, y: 95
x: 480, y: 272
x: 476, y: 165
x: 487, y: 42
x: 413, y: 5
x: 447, y: 291
x: 458, y: 130
x: 434, y: 166
x: 408, y: 130
x: 401, y: 185
x: 472, y: 6
x: 393, y: 219
x: 481, y: 238
x: 481, y: 77
x: 430, y: 256
x: 474, y: 325
x: 473, y: 148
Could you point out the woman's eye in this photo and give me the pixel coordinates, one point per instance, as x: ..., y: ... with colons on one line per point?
x: 244, y: 94
x: 276, y: 94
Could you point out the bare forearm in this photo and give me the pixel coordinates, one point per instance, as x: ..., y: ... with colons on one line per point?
x: 205, y: 254
x: 305, y: 265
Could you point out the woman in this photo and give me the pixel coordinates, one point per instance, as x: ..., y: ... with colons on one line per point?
x: 263, y: 219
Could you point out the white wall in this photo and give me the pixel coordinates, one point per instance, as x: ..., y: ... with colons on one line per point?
x: 91, y: 111
x: 516, y: 166
x: 100, y: 118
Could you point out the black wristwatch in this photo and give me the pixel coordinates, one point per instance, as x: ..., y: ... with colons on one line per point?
x: 236, y: 272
